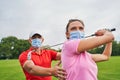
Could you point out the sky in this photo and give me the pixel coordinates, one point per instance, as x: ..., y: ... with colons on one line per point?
x: 21, y: 17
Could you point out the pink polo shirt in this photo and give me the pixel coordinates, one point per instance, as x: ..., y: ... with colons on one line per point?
x: 78, y: 66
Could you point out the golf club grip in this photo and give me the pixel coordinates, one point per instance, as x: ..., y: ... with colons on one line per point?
x: 113, y: 29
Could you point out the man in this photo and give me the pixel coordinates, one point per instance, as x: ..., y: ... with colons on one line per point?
x: 36, y: 62
x: 78, y: 63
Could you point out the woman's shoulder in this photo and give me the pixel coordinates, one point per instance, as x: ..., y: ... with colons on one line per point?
x: 69, y: 42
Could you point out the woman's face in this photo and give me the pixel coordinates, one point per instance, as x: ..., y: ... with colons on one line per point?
x: 74, y: 26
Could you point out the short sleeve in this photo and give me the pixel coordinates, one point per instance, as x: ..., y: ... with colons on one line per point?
x: 70, y: 47
x: 53, y: 54
x: 22, y: 58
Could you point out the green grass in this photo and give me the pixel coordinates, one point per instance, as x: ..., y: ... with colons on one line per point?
x: 11, y: 70
x: 109, y: 70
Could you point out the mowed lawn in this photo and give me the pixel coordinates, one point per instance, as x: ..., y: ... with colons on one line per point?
x: 108, y: 70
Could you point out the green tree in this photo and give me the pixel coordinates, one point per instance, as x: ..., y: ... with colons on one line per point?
x: 6, y: 46
x: 115, y: 49
x: 11, y: 47
x: 20, y: 46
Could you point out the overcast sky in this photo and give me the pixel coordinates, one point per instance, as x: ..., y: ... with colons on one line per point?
x: 20, y: 17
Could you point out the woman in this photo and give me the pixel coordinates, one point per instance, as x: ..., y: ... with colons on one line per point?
x: 77, y: 62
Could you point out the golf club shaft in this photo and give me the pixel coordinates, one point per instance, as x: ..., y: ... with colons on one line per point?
x: 113, y: 29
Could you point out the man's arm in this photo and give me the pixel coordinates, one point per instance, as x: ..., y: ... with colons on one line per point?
x: 58, y: 57
x: 105, y: 55
x: 33, y: 69
x: 36, y: 70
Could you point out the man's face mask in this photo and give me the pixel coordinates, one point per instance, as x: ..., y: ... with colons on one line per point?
x: 77, y: 35
x: 36, y: 42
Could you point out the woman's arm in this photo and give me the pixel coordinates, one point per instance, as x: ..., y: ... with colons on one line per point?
x: 103, y: 37
x: 105, y: 55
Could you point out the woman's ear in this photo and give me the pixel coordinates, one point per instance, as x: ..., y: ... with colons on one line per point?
x: 67, y: 35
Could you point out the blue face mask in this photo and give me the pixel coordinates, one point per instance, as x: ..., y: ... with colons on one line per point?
x: 36, y: 42
x: 77, y: 35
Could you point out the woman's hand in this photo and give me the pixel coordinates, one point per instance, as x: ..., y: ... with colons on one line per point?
x: 100, y: 32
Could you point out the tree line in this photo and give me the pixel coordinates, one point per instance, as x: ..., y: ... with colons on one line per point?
x: 11, y: 47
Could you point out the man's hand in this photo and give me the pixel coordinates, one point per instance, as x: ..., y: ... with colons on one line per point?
x: 58, y: 71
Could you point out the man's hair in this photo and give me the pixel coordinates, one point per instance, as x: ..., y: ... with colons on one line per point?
x: 72, y: 20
